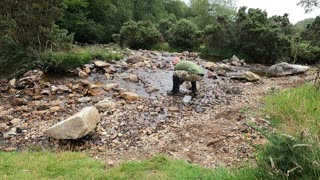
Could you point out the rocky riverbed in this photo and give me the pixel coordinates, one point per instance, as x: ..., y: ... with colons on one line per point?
x: 139, y: 119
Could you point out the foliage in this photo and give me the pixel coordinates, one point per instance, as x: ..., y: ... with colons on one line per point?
x: 65, y: 60
x: 27, y: 30
x: 309, y: 5
x: 312, y: 33
x: 183, y: 34
x: 272, y: 40
x: 286, y: 157
x: 306, y: 53
x: 141, y: 34
x: 302, y: 25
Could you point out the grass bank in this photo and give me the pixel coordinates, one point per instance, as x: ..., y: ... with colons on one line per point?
x: 69, y: 165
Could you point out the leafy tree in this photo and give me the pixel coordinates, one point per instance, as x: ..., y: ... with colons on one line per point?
x: 309, y: 5
x: 152, y: 10
x: 183, y: 34
x: 271, y: 42
x: 28, y: 29
x: 141, y: 34
x: 312, y: 32
x: 177, y: 8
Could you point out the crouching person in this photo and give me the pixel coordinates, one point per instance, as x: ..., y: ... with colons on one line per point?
x: 185, y: 71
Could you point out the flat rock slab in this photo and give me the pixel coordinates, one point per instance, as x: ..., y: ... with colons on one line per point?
x: 76, y: 126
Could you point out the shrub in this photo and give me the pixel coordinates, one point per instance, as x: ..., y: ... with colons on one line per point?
x: 141, y: 34
x: 182, y: 34
x: 286, y: 157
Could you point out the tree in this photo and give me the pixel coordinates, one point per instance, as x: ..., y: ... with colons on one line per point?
x: 141, y: 34
x: 183, y: 34
x: 309, y: 5
x: 272, y: 41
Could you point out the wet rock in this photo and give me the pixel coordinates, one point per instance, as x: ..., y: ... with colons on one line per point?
x: 110, y: 86
x: 283, y: 69
x: 173, y: 109
x: 19, y: 101
x: 83, y: 74
x: 75, y: 126
x: 101, y: 64
x: 84, y: 99
x: 106, y: 105
x: 129, y: 96
x: 135, y: 59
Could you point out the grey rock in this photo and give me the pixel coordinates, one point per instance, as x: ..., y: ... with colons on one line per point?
x: 84, y: 99
x: 186, y: 99
x: 283, y: 69
x: 76, y: 126
x: 106, y: 105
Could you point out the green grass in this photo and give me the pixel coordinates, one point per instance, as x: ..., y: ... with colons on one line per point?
x: 295, y: 110
x: 160, y: 167
x: 76, y: 57
x: 41, y: 165
x: 69, y: 165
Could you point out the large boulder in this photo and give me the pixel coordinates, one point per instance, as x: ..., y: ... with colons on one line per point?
x: 283, y: 69
x: 76, y: 126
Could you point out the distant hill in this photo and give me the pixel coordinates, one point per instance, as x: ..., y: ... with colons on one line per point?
x: 302, y: 25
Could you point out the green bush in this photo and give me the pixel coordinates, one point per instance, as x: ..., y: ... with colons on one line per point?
x: 183, y: 34
x: 141, y: 34
x: 306, y: 53
x: 286, y: 157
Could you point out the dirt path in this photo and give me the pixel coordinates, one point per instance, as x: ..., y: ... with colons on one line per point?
x: 211, y: 130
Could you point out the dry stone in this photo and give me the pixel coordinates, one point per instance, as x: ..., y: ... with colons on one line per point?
x: 76, y: 126
x: 283, y: 69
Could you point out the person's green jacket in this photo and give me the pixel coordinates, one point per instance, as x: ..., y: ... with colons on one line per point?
x: 190, y: 67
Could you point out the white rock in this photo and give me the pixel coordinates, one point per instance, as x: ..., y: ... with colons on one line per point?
x: 76, y: 126
x: 284, y: 68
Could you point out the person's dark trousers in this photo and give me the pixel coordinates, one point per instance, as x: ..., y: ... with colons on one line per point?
x: 176, y: 84
x: 194, y: 88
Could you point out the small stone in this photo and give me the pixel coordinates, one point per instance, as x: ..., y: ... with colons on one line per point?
x: 55, y: 109
x: 83, y: 74
x: 186, y: 99
x: 96, y: 92
x: 16, y: 122
x: 106, y: 105
x: 84, y: 99
x: 130, y: 96
x: 101, y: 64
x: 133, y: 78
x: 173, y: 109
x: 19, y: 101
x: 110, y: 86
x: 3, y: 126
